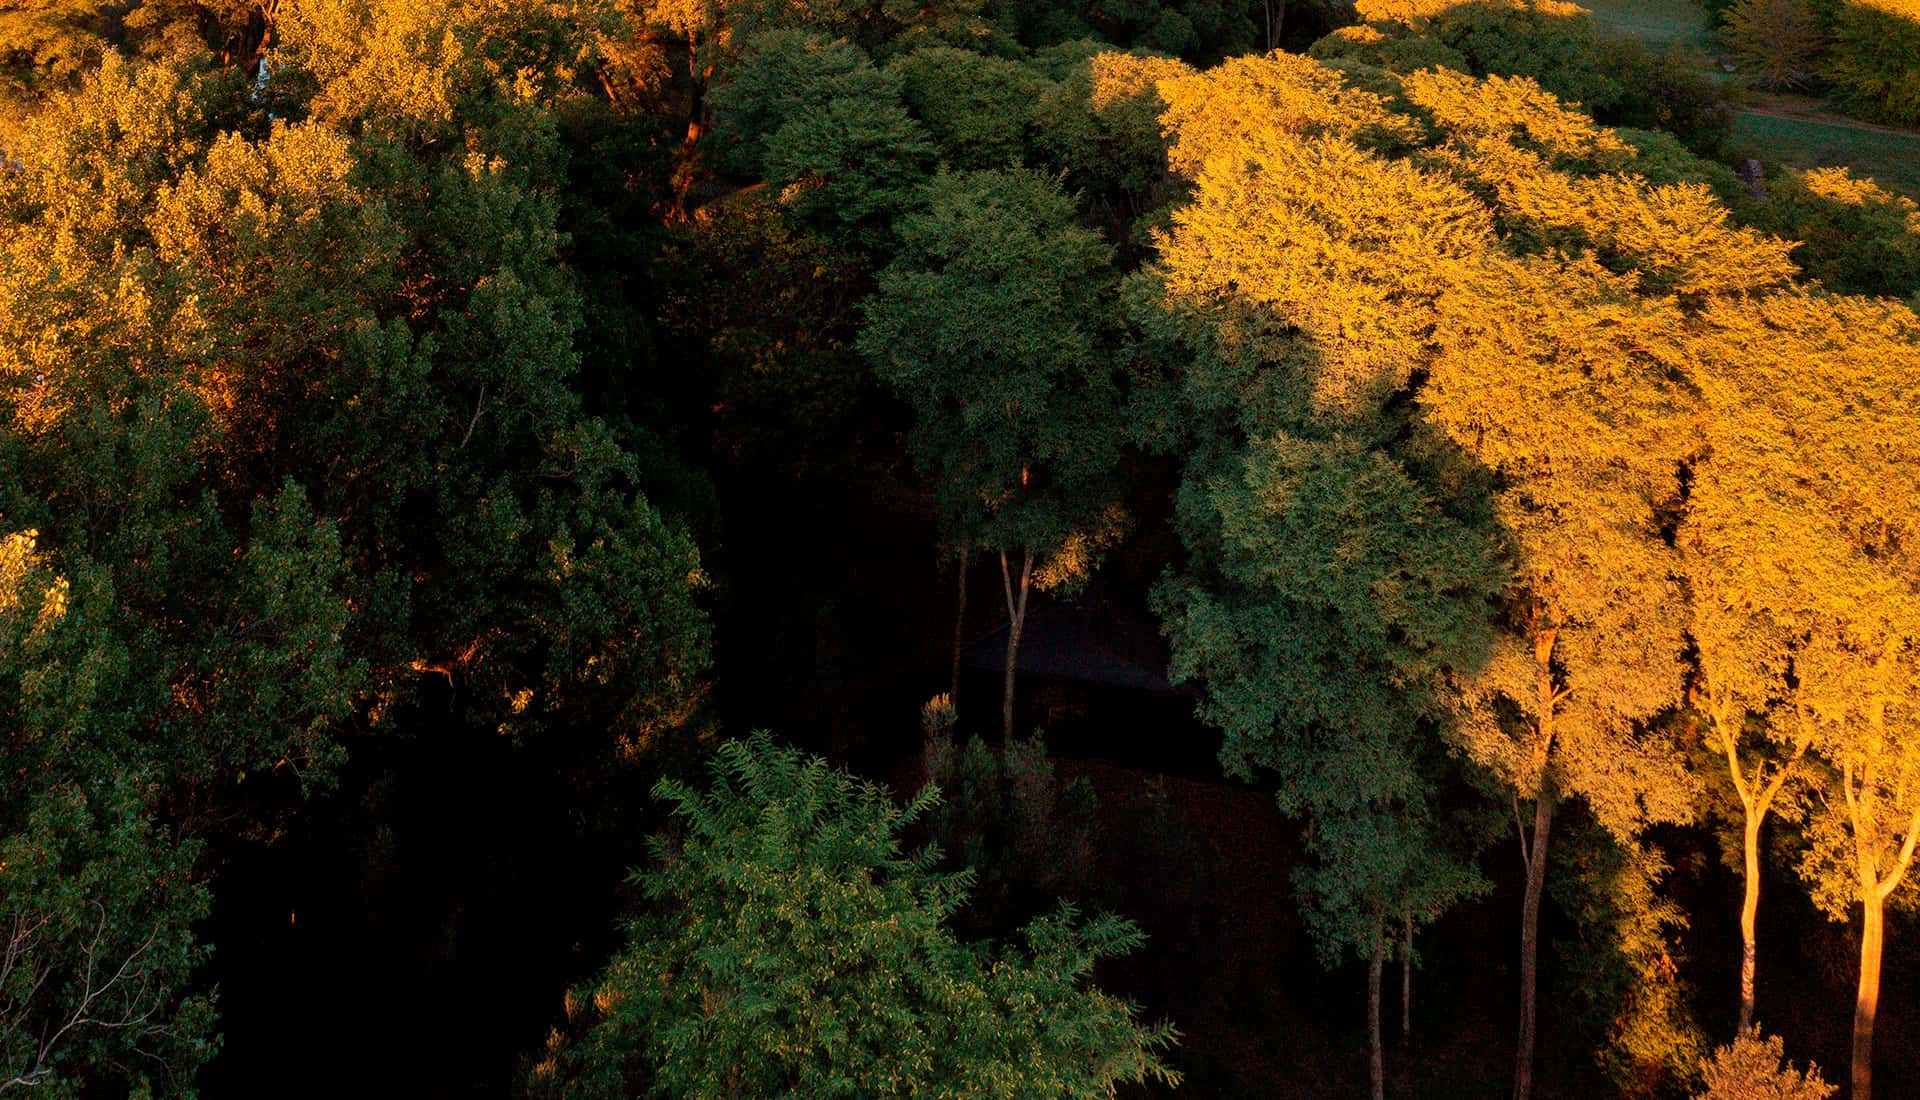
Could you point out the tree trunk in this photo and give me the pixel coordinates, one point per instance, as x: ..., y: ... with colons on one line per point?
x: 687, y: 164
x: 1376, y: 1066
x: 1749, y: 919
x: 1530, y: 943
x: 1872, y: 937
x: 1406, y: 985
x: 1016, y: 622
x: 959, y: 627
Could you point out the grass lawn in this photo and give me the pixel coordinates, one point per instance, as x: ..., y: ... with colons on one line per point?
x: 1893, y: 159
x: 1658, y: 23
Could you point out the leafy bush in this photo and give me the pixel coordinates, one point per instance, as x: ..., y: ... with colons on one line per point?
x: 977, y: 108
x: 781, y: 75
x: 1856, y: 237
x: 1619, y: 81
x: 1755, y: 1068
x: 1008, y: 816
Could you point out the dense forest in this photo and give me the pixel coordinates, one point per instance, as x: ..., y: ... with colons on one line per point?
x: 587, y: 549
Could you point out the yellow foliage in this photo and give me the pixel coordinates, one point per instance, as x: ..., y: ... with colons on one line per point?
x: 1119, y: 76
x: 1249, y: 101
x: 1412, y: 11
x: 1514, y: 110
x: 27, y: 586
x: 387, y: 58
x: 1841, y: 185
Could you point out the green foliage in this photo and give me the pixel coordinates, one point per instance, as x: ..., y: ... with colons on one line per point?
x: 797, y: 950
x: 1552, y: 43
x: 1622, y: 968
x: 1756, y: 1068
x: 989, y: 322
x: 1854, y: 236
x: 1875, y: 63
x: 773, y: 304
x: 1100, y: 121
x: 1778, y: 42
x: 98, y: 901
x: 779, y: 76
x: 977, y: 108
x: 849, y: 161
x: 1008, y: 817
x: 99, y: 905
x: 288, y: 421
x: 1340, y: 594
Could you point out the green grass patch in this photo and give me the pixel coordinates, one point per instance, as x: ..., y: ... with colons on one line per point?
x: 1891, y: 159
x: 1658, y: 23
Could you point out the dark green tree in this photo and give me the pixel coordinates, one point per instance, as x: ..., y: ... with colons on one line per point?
x: 991, y: 322
x: 796, y: 949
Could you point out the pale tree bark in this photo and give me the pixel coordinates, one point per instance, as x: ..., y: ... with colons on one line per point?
x: 959, y: 625
x: 1376, y: 1064
x: 1535, y: 855
x: 1867, y: 999
x: 1533, y: 852
x: 1016, y: 622
x: 1276, y: 13
x: 1863, y: 812
x: 1758, y: 793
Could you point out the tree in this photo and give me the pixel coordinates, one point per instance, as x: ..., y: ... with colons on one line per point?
x: 977, y: 108
x: 287, y: 420
x: 1854, y: 236
x: 97, y: 900
x: 1508, y: 288
x: 795, y: 949
x: 779, y: 76
x: 1823, y: 458
x: 1336, y: 593
x: 1875, y: 61
x: 990, y: 322
x: 1779, y: 42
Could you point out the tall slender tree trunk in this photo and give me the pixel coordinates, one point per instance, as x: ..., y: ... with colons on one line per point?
x: 1406, y: 984
x: 1016, y: 622
x: 1534, y: 852
x: 959, y: 625
x: 1530, y: 944
x: 1749, y: 919
x: 1867, y: 1001
x: 1376, y: 1064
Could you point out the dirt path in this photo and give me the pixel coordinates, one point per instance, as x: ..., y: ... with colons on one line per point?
x: 1807, y: 109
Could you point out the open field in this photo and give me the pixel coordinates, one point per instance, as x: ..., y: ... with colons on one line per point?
x: 1775, y: 129
x: 1658, y: 23
x: 1889, y: 156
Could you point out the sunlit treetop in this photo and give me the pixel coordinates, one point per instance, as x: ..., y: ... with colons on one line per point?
x: 1100, y: 119
x: 1413, y: 11
x: 1247, y: 101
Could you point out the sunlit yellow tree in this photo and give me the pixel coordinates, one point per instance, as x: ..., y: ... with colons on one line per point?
x: 1495, y: 259
x: 1822, y: 441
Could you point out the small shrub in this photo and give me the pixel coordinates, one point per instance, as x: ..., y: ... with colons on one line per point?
x: 1755, y: 1068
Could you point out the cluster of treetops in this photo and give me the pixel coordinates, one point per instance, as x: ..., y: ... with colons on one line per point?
x: 1866, y: 56
x: 1522, y: 450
